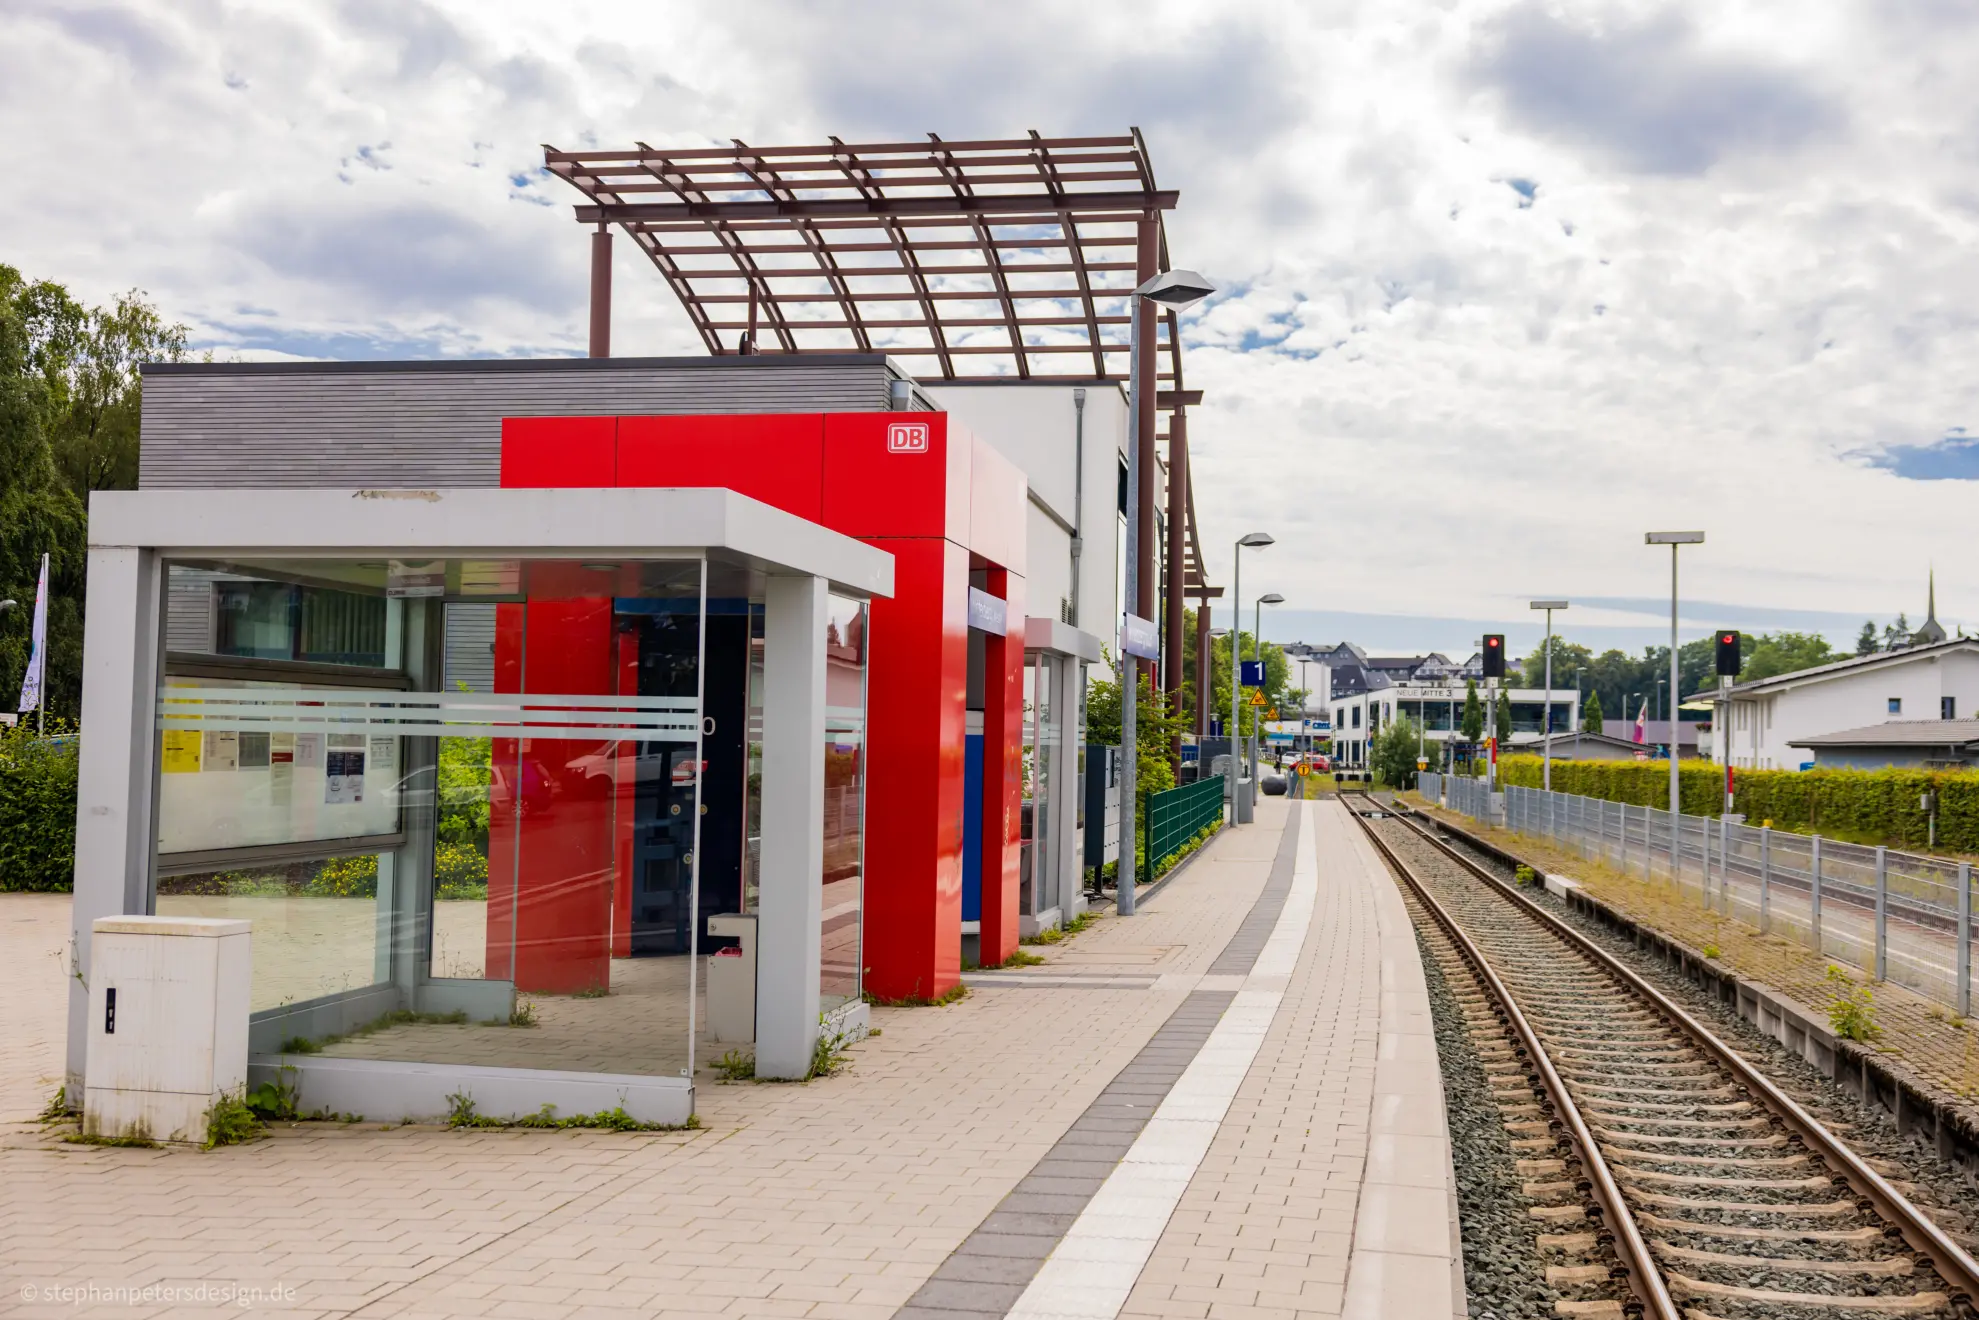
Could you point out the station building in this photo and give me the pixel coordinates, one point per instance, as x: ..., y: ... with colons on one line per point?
x: 559, y: 725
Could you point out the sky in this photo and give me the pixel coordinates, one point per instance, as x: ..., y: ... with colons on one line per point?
x: 1505, y: 284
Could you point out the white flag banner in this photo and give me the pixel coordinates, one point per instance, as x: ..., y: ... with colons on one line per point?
x: 37, y: 661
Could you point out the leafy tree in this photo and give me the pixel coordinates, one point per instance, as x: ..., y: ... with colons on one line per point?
x: 1778, y: 653
x: 1570, y: 659
x: 1896, y: 634
x: 1277, y: 689
x: 69, y: 405
x: 1154, y: 728
x: 1590, y: 714
x: 1502, y: 725
x: 1392, y: 754
x: 1472, y: 726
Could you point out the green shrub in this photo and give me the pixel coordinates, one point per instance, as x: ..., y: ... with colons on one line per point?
x: 346, y: 877
x: 459, y: 872
x: 1862, y: 806
x: 38, y: 809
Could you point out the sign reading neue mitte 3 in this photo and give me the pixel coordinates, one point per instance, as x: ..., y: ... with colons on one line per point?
x: 1139, y: 637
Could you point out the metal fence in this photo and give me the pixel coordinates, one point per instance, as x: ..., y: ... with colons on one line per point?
x: 1170, y: 819
x: 1898, y: 916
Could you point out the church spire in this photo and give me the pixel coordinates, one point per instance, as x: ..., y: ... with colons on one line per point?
x: 1932, y: 631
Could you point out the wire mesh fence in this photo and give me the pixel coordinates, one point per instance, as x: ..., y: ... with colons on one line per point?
x: 1899, y: 916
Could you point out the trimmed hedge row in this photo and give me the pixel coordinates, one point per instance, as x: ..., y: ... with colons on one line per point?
x: 37, y: 811
x: 1864, y: 806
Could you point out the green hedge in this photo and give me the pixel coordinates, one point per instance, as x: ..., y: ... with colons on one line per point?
x: 1865, y: 806
x: 37, y: 810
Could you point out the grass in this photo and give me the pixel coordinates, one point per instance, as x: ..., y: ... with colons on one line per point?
x: 462, y: 1114
x: 139, y: 1139
x: 1058, y: 934
x: 231, y: 1122
x: 735, y: 1066
x: 954, y: 994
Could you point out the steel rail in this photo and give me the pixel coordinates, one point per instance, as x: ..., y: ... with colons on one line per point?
x: 1954, y: 1264
x: 1644, y: 1278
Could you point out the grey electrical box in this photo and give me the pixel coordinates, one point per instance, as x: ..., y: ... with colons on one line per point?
x: 1102, y: 804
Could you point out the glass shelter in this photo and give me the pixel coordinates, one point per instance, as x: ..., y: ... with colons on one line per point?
x: 496, y: 785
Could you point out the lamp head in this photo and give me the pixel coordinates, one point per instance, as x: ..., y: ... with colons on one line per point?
x: 6, y: 605
x: 1176, y: 289
x: 1549, y: 604
x: 1271, y: 598
x: 1673, y: 538
x: 1257, y: 540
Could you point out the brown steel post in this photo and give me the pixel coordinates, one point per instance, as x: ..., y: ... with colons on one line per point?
x: 601, y: 292
x: 1178, y: 545
x: 1202, y: 666
x: 1145, y: 271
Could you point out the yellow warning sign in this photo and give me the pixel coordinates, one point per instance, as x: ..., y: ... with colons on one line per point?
x: 1257, y: 698
x: 1305, y: 769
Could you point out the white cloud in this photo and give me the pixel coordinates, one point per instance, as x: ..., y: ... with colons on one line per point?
x: 1739, y: 256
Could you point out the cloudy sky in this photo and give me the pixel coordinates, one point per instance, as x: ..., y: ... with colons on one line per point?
x: 1507, y: 284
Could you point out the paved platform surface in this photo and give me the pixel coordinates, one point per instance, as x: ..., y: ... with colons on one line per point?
x: 1255, y: 1044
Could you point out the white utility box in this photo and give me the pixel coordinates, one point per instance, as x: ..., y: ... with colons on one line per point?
x: 168, y: 1008
x: 732, y: 981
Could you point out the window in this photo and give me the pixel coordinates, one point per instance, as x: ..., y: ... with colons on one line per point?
x: 1357, y: 717
x: 1947, y: 708
x: 1896, y: 705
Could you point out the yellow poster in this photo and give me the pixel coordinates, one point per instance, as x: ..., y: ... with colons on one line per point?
x: 182, y: 751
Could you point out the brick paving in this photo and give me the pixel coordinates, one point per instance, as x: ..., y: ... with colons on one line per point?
x: 1921, y: 1041
x: 837, y: 1198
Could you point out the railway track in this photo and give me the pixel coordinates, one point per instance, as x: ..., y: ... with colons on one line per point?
x: 1692, y: 1184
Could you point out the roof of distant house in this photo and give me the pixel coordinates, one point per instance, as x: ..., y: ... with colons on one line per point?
x: 1821, y: 673
x: 1899, y: 733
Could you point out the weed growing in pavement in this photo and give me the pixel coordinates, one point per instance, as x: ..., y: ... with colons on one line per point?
x: 1852, y: 1013
x: 230, y: 1122
x: 828, y: 1053
x: 140, y: 1139
x: 615, y: 1119
x: 275, y: 1102
x: 954, y: 994
x: 735, y: 1066
x: 58, y: 1107
x: 1065, y: 932
x: 592, y: 992
x: 1525, y: 875
x: 524, y: 1015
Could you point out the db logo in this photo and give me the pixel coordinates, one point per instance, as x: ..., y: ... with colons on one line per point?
x: 907, y: 438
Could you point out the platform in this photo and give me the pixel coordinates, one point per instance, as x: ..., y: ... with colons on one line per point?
x: 1228, y: 1104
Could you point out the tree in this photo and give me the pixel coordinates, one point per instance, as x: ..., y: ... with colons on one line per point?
x: 1773, y: 654
x: 1865, y: 641
x: 1502, y: 726
x: 1473, y: 721
x: 69, y: 405
x: 1277, y: 691
x: 1154, y: 728
x: 1569, y: 660
x: 1590, y: 714
x: 1392, y: 755
x: 1896, y: 634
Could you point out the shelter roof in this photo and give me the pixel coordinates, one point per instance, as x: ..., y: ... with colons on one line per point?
x: 969, y: 260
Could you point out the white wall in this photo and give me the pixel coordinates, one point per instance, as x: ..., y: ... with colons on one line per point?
x: 1034, y: 425
x: 1762, y: 726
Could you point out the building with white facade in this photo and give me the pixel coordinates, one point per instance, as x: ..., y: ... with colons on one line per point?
x: 1763, y: 721
x: 1368, y: 692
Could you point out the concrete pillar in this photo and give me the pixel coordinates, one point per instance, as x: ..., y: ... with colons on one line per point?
x: 114, y: 830
x: 790, y: 907
x: 1065, y: 788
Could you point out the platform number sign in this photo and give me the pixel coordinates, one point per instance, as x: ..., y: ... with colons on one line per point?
x: 907, y: 437
x: 1494, y: 656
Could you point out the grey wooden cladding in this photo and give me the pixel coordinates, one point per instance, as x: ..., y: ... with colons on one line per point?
x: 438, y: 424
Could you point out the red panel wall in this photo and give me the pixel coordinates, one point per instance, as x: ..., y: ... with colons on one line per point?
x: 1003, y: 773
x: 551, y: 452
x: 875, y: 488
x: 778, y: 458
x: 915, y: 688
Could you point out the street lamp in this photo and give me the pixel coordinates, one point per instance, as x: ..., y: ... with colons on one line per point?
x: 1673, y: 540
x: 1175, y: 290
x: 1254, y: 541
x: 1257, y: 646
x: 1546, y: 698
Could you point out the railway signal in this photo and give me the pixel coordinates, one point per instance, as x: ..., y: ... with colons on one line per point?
x: 1494, y: 655
x: 1728, y: 653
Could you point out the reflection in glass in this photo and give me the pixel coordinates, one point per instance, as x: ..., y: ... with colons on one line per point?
x: 845, y: 802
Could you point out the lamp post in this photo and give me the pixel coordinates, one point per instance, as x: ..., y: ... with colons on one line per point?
x: 1257, y: 647
x: 1546, y: 697
x: 1673, y: 540
x: 1254, y: 541
x: 1174, y: 290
